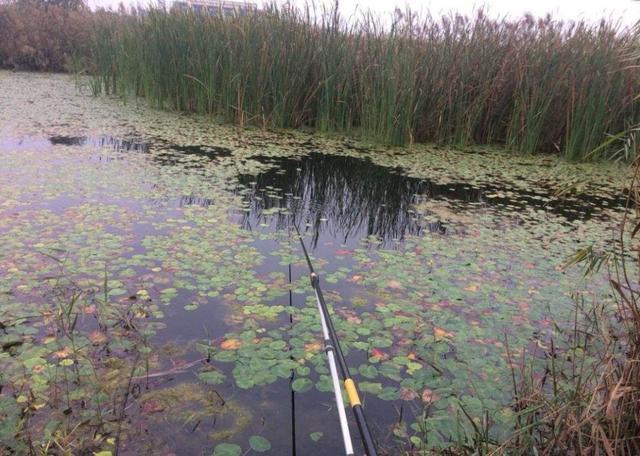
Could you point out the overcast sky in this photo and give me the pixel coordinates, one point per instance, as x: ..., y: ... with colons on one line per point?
x: 627, y: 11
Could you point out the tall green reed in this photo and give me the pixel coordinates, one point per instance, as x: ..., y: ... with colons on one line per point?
x: 532, y: 84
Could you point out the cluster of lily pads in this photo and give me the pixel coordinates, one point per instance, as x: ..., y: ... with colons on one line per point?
x: 140, y: 310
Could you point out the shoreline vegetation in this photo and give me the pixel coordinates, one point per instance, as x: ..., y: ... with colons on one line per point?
x: 533, y: 85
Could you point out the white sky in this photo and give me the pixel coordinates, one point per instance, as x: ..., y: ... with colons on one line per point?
x: 627, y: 11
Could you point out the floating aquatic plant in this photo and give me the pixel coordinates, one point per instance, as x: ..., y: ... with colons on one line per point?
x: 156, y: 273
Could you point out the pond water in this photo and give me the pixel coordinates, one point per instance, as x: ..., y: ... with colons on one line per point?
x: 154, y: 295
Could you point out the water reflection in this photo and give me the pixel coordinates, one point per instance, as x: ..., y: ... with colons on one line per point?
x: 111, y: 142
x: 349, y: 198
x: 193, y: 200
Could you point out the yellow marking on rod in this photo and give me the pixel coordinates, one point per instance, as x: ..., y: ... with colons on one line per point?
x: 352, y: 392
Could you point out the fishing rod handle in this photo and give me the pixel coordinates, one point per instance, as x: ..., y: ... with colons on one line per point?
x: 365, y: 434
x: 356, y: 406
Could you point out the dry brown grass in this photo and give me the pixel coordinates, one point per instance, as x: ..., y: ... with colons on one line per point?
x: 41, y: 36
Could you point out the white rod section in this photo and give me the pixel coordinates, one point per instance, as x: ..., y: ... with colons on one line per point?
x: 337, y: 389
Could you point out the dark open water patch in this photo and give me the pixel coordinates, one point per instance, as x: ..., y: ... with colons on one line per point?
x: 137, y: 145
x: 204, y: 151
x: 352, y: 198
x: 119, y: 144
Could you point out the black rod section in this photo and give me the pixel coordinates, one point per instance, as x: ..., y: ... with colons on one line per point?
x: 293, y: 373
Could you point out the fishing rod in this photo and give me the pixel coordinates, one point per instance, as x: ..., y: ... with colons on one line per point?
x: 344, y: 424
x: 332, y: 347
x: 292, y: 377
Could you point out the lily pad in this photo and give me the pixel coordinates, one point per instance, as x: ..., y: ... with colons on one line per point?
x: 227, y: 449
x: 301, y: 385
x: 259, y: 443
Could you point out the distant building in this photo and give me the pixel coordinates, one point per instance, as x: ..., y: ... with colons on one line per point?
x: 226, y: 7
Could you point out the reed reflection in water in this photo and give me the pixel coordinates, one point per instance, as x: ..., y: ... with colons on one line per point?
x: 344, y: 197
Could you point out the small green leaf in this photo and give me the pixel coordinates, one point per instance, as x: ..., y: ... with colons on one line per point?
x: 368, y: 387
x: 324, y: 384
x: 259, y: 443
x: 300, y: 385
x: 368, y: 371
x: 227, y: 449
x: 388, y: 393
x: 277, y: 345
x: 245, y: 382
x: 211, y: 377
x: 315, y: 436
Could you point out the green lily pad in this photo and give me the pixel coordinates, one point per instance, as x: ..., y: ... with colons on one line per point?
x: 227, y: 449
x: 212, y: 377
x: 259, y: 443
x: 301, y: 385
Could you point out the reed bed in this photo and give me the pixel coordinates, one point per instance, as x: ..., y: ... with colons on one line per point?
x: 534, y: 85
